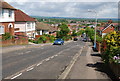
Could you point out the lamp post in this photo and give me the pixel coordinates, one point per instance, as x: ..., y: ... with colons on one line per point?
x: 95, y: 26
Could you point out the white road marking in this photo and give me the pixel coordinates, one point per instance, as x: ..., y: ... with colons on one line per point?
x: 39, y: 64
x: 56, y: 55
x: 30, y: 69
x: 52, y: 57
x: 20, y: 53
x: 47, y: 59
x: 28, y: 52
x: 16, y: 76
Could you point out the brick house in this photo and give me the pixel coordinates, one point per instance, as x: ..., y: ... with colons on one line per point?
x: 6, y: 18
x: 107, y: 29
x: 24, y: 24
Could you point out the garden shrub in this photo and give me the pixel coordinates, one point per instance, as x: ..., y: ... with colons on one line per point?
x: 6, y: 36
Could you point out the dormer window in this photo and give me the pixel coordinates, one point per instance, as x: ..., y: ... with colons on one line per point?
x: 10, y: 13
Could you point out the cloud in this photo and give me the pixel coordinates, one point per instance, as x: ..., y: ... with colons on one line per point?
x: 62, y: 0
x: 68, y: 9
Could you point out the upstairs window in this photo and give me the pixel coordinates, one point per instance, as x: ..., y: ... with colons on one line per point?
x: 10, y: 13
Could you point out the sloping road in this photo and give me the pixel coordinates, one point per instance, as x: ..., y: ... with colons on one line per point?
x: 46, y: 62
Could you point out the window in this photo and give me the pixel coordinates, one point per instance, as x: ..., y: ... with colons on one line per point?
x: 10, y: 13
x: 33, y: 25
x: 1, y: 30
x: 28, y: 25
x: 2, y: 12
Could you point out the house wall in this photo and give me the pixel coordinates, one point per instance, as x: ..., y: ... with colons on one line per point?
x: 27, y: 27
x: 21, y: 26
x: 4, y: 17
x: 8, y: 27
x: 30, y: 27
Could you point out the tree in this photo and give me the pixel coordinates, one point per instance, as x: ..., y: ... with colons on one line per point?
x: 74, y: 33
x: 90, y: 32
x: 64, y: 30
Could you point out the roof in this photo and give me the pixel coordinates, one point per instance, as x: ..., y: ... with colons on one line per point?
x: 101, y: 28
x: 52, y: 29
x: 21, y: 16
x: 106, y: 27
x: 5, y: 5
x: 42, y: 26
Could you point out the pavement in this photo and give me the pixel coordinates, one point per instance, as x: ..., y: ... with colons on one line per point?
x: 90, y: 66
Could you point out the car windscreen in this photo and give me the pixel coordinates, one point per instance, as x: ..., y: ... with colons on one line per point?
x: 58, y: 39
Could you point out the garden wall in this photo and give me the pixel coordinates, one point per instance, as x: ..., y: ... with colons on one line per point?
x: 15, y: 41
x: 116, y: 69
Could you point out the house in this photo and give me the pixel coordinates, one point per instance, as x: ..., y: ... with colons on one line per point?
x: 105, y: 30
x: 24, y: 24
x: 42, y: 28
x: 7, y: 18
x: 53, y: 30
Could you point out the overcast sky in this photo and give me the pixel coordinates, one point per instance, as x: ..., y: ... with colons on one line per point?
x: 68, y: 8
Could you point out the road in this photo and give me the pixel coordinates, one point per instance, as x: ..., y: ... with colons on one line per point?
x: 46, y: 62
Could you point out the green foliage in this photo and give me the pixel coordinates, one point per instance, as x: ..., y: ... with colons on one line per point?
x: 113, y: 47
x: 80, y: 32
x: 74, y: 33
x: 6, y: 36
x: 66, y: 38
x: 42, y: 38
x: 64, y: 30
x: 98, y: 38
x: 90, y: 32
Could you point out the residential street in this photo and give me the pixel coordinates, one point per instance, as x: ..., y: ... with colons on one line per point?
x: 68, y: 61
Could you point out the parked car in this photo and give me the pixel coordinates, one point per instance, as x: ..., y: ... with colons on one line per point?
x: 58, y: 42
x: 75, y: 39
x: 86, y: 39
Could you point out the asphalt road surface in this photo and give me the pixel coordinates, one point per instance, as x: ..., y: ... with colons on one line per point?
x: 46, y: 62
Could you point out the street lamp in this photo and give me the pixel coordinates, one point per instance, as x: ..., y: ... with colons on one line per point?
x: 95, y: 26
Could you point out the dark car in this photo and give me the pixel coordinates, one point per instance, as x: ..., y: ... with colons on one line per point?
x: 58, y: 42
x: 75, y: 39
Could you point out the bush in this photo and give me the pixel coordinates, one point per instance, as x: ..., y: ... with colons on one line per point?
x: 113, y: 47
x: 67, y: 38
x: 52, y: 38
x: 98, y: 38
x: 42, y: 39
x: 6, y: 36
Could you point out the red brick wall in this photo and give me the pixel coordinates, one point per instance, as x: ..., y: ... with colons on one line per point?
x: 14, y: 41
x: 9, y: 30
